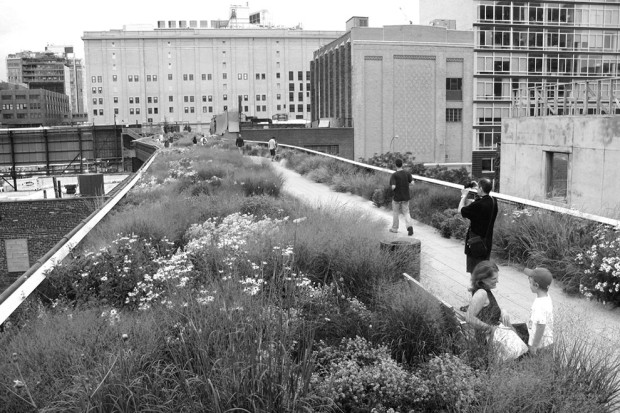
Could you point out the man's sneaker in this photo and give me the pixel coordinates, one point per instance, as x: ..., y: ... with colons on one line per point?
x: 393, y: 230
x: 410, y: 231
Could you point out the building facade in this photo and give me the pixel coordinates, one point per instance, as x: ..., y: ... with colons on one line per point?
x: 51, y: 70
x: 525, y: 44
x: 24, y: 107
x: 401, y: 88
x: 189, y: 73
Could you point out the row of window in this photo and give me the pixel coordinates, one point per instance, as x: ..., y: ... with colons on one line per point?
x: 21, y: 106
x: 207, y: 109
x: 205, y: 76
x: 578, y: 40
x: 587, y: 65
x: 550, y: 13
x: 22, y: 115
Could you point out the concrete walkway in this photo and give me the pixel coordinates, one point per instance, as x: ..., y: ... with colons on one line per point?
x: 443, y: 267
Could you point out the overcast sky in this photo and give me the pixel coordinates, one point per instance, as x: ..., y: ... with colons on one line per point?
x: 37, y: 23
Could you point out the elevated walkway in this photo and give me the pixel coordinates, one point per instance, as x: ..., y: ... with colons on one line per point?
x: 443, y: 267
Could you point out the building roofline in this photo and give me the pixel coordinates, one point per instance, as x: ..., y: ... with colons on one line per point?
x: 208, y: 33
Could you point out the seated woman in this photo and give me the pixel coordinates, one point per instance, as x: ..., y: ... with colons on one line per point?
x: 484, y: 313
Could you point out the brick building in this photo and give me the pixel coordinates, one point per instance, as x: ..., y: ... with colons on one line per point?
x: 24, y: 107
x: 401, y: 88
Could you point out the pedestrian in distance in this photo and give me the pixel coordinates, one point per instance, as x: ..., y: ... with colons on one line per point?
x: 273, y: 146
x: 400, y: 182
x: 239, y: 144
x: 194, y: 140
x: 540, y: 325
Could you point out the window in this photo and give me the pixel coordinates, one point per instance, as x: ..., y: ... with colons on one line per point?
x: 300, y: 75
x: 224, y: 76
x: 170, y: 98
x: 454, y: 115
x: 279, y: 107
x: 245, y: 76
x: 292, y: 108
x: 291, y: 96
x: 192, y: 109
x: 308, y: 108
x: 101, y: 101
x: 264, y: 108
x: 245, y: 98
x: 245, y: 108
x: 169, y: 76
x: 137, y: 111
x: 291, y: 87
x: 262, y: 76
x: 204, y: 98
x: 156, y: 110
x: 9, y: 116
x: 204, y: 109
x: 149, y: 100
x: 257, y: 108
x: 258, y: 76
x: 154, y: 78
x: 136, y: 78
x: 150, y: 120
x: 116, y: 111
x: 487, y: 165
x: 148, y: 78
x: 300, y: 108
x: 131, y: 111
x: 155, y: 99
x: 131, y: 100
x: 115, y: 99
x: 114, y: 78
x: 185, y: 99
x: 225, y: 97
x: 100, y: 90
x: 557, y: 175
x: 291, y: 76
x: 278, y: 96
x: 264, y: 97
x: 94, y: 90
x: 94, y: 101
x: 170, y: 109
x: 93, y: 79
x: 130, y: 78
x: 454, y: 87
x: 191, y: 76
x: 184, y: 76
x: 210, y: 98
x: 211, y: 109
x: 300, y: 96
x: 257, y: 97
x: 191, y: 98
x: 149, y: 111
x: 137, y: 100
x: 225, y: 108
x: 186, y: 109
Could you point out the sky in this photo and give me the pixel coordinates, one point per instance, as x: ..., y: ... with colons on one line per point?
x: 37, y: 23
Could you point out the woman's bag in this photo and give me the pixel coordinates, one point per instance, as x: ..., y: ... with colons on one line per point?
x: 506, y: 344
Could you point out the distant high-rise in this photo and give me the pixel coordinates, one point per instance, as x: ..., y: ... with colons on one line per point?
x: 524, y: 44
x: 51, y: 70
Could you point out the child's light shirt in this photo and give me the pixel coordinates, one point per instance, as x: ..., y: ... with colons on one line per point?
x: 542, y: 313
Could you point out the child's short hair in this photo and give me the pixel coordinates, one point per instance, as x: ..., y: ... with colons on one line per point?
x: 541, y: 276
x: 398, y: 163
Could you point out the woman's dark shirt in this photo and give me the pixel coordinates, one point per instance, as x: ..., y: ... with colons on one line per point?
x: 491, y: 314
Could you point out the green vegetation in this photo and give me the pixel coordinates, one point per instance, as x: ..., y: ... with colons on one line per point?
x: 209, y: 291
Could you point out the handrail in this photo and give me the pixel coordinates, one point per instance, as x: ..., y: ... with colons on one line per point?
x: 503, y: 197
x: 12, y: 297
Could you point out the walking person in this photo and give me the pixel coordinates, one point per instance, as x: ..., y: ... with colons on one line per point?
x: 400, y: 182
x: 239, y: 143
x: 273, y: 145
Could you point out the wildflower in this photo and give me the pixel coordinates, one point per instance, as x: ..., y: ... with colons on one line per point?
x: 299, y: 220
x: 125, y: 337
x: 18, y: 384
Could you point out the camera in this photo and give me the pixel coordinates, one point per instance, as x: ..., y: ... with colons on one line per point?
x: 472, y: 184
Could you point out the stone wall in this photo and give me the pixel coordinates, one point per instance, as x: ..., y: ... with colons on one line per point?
x: 37, y: 225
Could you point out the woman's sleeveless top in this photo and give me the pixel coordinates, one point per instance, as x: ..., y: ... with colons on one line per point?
x: 491, y: 314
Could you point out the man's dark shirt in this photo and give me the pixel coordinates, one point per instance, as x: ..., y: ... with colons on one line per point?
x: 401, y: 179
x: 479, y: 213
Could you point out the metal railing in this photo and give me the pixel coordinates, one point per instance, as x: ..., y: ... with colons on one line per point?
x: 579, y: 97
x: 513, y: 200
x: 21, y: 289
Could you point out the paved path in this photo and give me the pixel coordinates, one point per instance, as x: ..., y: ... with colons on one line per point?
x: 443, y: 267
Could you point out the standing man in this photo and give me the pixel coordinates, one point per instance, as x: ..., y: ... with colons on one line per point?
x: 239, y: 143
x: 273, y: 145
x: 482, y: 213
x: 400, y: 181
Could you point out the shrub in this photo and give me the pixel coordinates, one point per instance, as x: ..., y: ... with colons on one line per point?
x: 320, y: 175
x: 450, y: 223
x: 453, y: 385
x: 600, y: 265
x: 428, y: 199
x: 360, y: 377
x: 387, y: 160
x: 263, y: 205
x: 410, y: 324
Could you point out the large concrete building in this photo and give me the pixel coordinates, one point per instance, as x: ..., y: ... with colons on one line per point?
x: 52, y: 70
x: 401, y: 88
x: 565, y: 151
x: 188, y: 73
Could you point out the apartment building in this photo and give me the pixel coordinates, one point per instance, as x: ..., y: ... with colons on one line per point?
x: 191, y: 71
x: 522, y: 45
x: 24, y: 107
x: 52, y: 70
x: 404, y: 88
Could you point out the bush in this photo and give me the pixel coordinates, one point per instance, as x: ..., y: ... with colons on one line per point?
x: 450, y: 223
x: 360, y: 377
